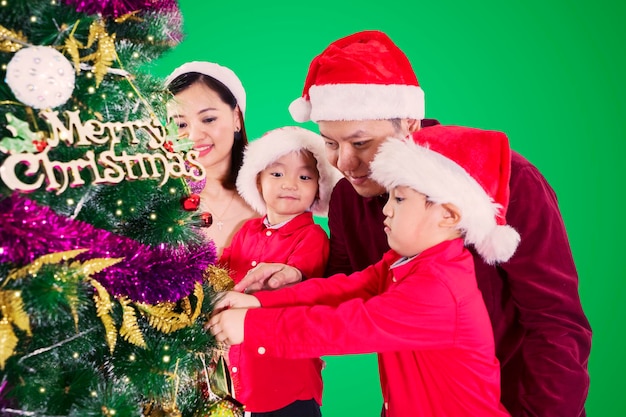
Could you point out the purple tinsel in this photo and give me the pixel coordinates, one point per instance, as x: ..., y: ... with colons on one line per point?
x: 118, y: 8
x: 148, y: 274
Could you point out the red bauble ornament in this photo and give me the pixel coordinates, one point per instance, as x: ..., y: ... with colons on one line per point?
x: 191, y: 202
x: 207, y: 219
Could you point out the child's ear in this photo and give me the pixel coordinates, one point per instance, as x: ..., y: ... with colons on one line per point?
x: 451, y: 215
x: 258, y: 184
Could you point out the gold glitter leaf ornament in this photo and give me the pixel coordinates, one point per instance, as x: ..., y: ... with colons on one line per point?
x: 130, y: 327
x: 12, y: 308
x: 163, y: 317
x: 8, y: 341
x: 11, y: 41
x: 104, y: 306
x: 35, y: 266
x: 105, y: 53
x: 219, y: 278
x: 72, y: 47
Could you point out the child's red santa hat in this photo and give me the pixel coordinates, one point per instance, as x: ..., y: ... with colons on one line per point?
x: 364, y: 76
x: 262, y: 152
x: 467, y: 167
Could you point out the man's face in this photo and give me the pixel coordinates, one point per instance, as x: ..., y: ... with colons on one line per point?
x: 351, y: 147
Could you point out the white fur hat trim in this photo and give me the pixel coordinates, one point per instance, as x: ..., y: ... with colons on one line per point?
x: 274, y: 144
x: 223, y: 74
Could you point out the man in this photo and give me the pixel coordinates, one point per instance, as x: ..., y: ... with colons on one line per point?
x: 362, y: 90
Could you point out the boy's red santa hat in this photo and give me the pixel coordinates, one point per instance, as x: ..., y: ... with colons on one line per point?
x: 467, y: 167
x: 262, y: 152
x: 364, y: 76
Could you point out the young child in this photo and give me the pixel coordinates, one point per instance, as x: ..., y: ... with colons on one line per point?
x: 419, y: 307
x: 285, y: 177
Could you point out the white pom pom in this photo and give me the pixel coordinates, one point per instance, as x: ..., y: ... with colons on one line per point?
x: 499, y: 245
x: 300, y: 110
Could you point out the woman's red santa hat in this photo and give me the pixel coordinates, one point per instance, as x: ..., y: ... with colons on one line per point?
x: 467, y: 167
x: 364, y: 76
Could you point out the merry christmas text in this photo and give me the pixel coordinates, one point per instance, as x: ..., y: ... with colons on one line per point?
x: 110, y: 166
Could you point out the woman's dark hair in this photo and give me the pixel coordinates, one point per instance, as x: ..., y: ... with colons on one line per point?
x: 183, y: 82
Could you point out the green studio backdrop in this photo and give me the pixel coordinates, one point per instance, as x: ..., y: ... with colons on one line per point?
x: 548, y: 73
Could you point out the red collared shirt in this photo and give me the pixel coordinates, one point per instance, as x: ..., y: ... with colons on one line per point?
x: 425, y: 317
x: 262, y: 383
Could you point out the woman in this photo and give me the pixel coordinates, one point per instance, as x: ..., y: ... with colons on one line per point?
x: 209, y: 106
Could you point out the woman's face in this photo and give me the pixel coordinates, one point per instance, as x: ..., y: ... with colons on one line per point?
x: 202, y: 116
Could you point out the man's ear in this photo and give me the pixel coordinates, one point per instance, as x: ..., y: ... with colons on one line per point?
x: 414, y: 125
x: 451, y: 215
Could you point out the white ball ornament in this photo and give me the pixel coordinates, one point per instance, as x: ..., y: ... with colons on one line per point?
x: 40, y: 77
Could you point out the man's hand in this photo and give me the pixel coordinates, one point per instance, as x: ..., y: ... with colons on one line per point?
x: 233, y: 299
x: 228, y: 326
x: 268, y: 276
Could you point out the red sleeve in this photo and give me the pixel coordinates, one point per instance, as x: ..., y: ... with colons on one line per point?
x: 544, y: 286
x: 330, y: 291
x: 417, y: 314
x: 310, y: 255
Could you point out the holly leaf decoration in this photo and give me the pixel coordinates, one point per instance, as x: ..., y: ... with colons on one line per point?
x: 23, y: 140
x: 176, y: 143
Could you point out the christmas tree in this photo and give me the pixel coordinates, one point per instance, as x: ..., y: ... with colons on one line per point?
x: 103, y: 272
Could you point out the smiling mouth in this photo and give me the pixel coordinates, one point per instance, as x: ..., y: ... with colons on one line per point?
x: 204, y: 149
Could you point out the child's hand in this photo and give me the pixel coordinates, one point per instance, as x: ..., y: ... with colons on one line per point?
x: 234, y: 299
x: 227, y: 326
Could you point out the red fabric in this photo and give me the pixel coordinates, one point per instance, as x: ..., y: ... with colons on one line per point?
x: 489, y: 153
x: 367, y: 57
x: 269, y: 384
x: 426, y: 318
x: 542, y: 336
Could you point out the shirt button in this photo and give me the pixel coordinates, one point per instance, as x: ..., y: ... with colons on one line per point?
x: 386, y: 405
x: 234, y: 369
x: 261, y: 350
x: 268, y: 233
x: 394, y: 279
x: 253, y: 263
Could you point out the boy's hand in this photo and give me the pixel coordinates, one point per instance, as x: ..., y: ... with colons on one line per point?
x: 228, y: 326
x: 234, y: 299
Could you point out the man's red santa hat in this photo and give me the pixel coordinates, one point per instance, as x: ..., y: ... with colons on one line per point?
x: 364, y: 76
x: 467, y: 167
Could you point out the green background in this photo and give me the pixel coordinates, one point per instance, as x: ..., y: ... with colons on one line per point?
x: 548, y: 73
